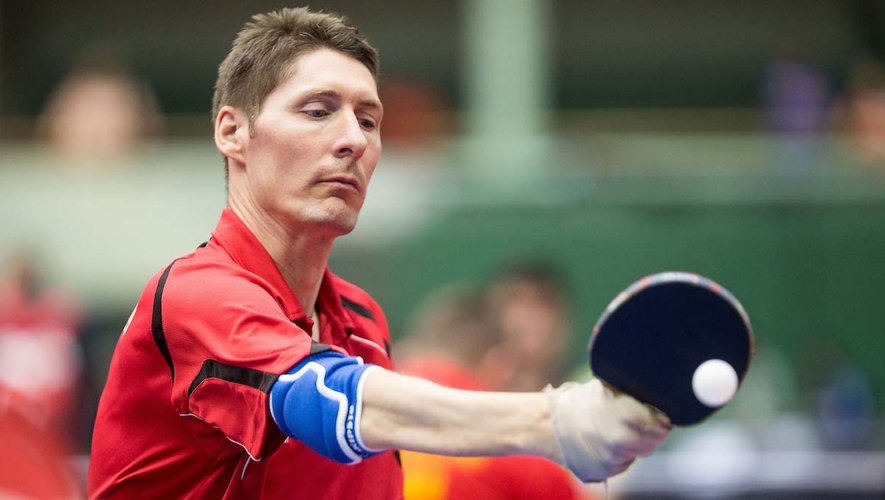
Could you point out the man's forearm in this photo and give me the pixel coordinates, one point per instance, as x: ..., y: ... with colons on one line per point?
x: 409, y: 413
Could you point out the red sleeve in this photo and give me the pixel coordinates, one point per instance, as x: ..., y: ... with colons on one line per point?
x: 228, y: 339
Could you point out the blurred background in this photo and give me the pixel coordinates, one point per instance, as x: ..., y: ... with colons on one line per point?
x: 580, y: 143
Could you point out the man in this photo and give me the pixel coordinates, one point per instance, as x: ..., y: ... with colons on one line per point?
x: 40, y: 356
x: 530, y: 303
x: 33, y: 463
x: 454, y: 341
x: 249, y: 370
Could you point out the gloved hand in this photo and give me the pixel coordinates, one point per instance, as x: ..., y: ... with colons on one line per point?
x: 600, y: 431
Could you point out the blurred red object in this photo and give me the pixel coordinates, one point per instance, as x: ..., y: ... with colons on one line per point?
x: 32, y: 461
x: 40, y: 358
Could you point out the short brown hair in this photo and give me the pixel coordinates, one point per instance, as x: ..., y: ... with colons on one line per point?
x: 262, y: 54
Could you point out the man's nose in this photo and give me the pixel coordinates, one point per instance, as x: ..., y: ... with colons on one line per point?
x: 352, y: 141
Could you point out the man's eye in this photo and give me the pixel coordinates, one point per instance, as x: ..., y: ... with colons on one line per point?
x: 316, y: 113
x: 368, y: 123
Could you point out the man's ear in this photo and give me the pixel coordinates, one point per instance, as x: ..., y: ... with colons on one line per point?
x: 231, y: 132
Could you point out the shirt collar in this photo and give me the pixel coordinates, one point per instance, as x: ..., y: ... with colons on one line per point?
x: 243, y: 246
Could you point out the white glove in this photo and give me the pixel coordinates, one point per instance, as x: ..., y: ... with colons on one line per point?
x: 600, y: 431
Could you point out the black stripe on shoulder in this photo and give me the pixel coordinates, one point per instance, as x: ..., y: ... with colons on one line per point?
x: 357, y: 308
x: 157, y: 320
x: 260, y: 380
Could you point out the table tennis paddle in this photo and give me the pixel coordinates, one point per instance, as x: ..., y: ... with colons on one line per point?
x: 676, y: 341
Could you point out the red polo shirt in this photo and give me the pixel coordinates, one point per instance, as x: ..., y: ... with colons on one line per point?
x: 184, y: 413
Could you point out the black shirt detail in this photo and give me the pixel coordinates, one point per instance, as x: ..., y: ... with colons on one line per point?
x: 211, y: 368
x: 157, y: 321
x: 357, y: 308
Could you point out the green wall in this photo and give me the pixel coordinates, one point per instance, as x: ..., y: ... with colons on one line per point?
x: 809, y: 271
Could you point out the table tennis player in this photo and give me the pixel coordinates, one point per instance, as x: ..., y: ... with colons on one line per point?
x: 249, y: 370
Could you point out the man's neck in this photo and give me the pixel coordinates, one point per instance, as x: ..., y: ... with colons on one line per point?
x: 300, y: 255
x: 303, y: 275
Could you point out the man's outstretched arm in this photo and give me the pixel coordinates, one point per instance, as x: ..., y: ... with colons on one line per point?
x: 590, y: 429
x: 348, y: 411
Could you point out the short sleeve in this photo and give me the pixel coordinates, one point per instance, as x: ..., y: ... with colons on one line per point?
x: 228, y: 339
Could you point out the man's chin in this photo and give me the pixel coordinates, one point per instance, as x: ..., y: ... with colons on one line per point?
x: 346, y: 229
x: 337, y: 224
x: 333, y: 217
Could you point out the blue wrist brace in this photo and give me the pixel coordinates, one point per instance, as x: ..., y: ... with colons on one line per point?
x: 319, y: 402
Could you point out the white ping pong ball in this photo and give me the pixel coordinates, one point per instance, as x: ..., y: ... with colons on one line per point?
x: 714, y: 382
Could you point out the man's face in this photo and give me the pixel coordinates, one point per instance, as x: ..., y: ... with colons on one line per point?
x: 315, y: 143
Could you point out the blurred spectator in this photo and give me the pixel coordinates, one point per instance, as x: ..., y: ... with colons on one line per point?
x: 451, y: 341
x: 839, y: 393
x: 413, y: 113
x: 796, y: 95
x: 99, y: 113
x: 843, y: 399
x: 530, y: 304
x: 862, y: 111
x: 33, y: 465
x: 846, y: 408
x: 40, y: 359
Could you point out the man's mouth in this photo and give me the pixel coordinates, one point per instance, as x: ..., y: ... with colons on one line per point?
x: 346, y: 181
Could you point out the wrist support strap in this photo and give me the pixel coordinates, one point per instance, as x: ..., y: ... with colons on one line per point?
x: 319, y: 402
